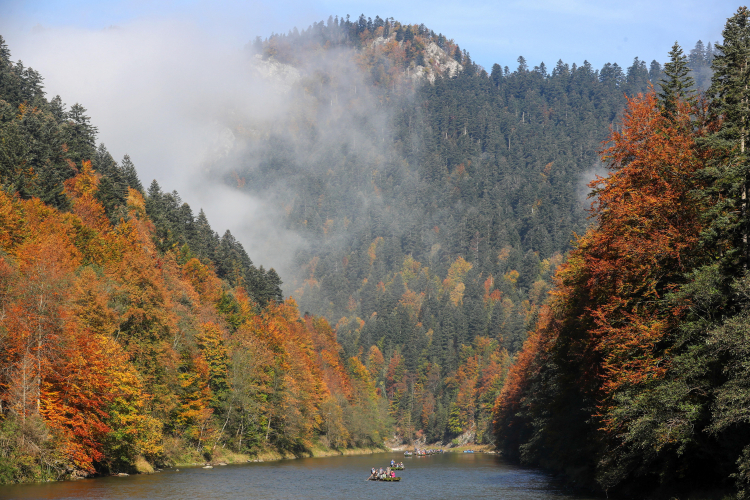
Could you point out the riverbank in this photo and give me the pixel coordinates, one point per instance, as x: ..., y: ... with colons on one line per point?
x: 476, y: 448
x: 222, y: 456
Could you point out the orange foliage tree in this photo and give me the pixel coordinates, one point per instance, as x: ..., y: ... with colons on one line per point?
x: 608, y: 328
x: 108, y: 345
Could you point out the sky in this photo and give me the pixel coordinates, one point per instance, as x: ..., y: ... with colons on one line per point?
x: 492, y: 31
x: 153, y: 74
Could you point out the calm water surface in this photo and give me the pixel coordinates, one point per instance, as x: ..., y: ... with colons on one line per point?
x: 448, y: 476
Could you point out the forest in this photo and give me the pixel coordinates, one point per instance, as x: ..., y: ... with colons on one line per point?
x: 634, y: 380
x: 547, y: 260
x: 132, y: 335
x: 437, y: 200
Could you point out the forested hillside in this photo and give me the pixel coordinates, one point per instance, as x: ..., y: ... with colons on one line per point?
x: 437, y: 200
x: 130, y: 331
x: 439, y: 203
x: 635, y: 380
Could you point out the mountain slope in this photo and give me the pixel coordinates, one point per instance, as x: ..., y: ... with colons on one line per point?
x: 131, y: 331
x: 436, y: 200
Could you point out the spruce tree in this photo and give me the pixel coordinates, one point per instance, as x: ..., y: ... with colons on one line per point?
x: 729, y: 174
x: 80, y: 135
x: 103, y: 161
x: 207, y: 240
x: 676, y: 83
x: 273, y: 286
x: 697, y: 57
x: 654, y: 71
x: 129, y: 175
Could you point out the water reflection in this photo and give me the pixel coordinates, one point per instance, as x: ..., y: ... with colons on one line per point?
x: 448, y: 476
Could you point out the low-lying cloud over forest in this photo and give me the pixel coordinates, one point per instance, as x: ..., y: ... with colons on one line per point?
x: 172, y: 98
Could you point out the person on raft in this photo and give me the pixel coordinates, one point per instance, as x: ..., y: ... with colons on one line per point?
x: 393, y: 462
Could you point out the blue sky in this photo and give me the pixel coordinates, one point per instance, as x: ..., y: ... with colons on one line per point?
x: 492, y: 31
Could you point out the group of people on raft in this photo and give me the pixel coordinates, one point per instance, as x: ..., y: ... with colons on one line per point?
x: 387, y: 474
x: 381, y: 475
x: 422, y: 453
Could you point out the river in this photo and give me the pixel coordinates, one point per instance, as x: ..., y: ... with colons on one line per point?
x: 446, y: 477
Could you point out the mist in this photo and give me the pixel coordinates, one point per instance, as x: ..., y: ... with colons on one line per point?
x: 252, y: 140
x: 169, y: 95
x: 204, y: 116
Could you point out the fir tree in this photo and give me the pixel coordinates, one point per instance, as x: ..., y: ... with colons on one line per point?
x: 676, y: 83
x: 729, y: 174
x: 129, y: 174
x: 81, y: 135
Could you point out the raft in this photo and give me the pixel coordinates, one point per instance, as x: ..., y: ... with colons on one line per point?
x: 384, y: 479
x: 397, y: 468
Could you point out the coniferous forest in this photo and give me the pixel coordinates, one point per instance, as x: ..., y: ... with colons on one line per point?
x: 550, y: 260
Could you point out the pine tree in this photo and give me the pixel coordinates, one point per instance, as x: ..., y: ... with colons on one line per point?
x: 81, y: 135
x: 273, y: 286
x: 522, y: 66
x: 697, y: 57
x: 129, y: 174
x: 103, y: 161
x: 637, y: 75
x: 497, y: 74
x: 676, y: 83
x: 206, y: 238
x: 730, y: 103
x: 112, y: 190
x: 57, y: 108
x: 654, y: 71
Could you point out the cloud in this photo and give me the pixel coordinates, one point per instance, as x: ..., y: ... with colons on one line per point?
x: 583, y: 190
x: 205, y: 117
x: 169, y: 84
x: 163, y: 92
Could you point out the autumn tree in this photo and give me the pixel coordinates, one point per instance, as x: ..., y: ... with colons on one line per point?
x: 611, y: 312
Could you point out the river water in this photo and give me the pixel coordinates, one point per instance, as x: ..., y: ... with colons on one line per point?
x: 446, y: 477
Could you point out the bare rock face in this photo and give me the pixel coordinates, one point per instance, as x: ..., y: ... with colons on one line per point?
x: 437, y: 62
x: 283, y: 76
x: 79, y: 474
x: 379, y: 41
x: 466, y: 438
x: 142, y: 466
x: 395, y: 443
x: 446, y: 64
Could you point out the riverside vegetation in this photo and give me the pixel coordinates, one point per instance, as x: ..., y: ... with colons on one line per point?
x: 437, y: 202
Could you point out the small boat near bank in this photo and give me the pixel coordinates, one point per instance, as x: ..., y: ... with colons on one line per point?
x: 425, y: 453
